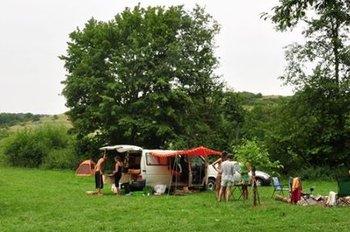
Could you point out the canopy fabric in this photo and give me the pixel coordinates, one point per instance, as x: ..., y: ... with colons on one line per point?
x: 122, y: 148
x: 197, y: 151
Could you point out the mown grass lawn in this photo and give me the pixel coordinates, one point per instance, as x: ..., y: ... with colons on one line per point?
x: 41, y: 200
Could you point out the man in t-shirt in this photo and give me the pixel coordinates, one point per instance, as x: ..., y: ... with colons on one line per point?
x: 228, y: 170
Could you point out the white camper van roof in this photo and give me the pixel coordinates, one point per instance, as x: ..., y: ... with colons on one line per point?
x: 122, y: 148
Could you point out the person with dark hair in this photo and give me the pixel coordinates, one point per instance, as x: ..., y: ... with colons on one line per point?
x: 117, y: 172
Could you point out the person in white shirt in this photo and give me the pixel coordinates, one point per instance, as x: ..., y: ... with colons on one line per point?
x: 227, y: 180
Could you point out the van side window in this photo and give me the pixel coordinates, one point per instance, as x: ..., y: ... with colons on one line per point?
x: 156, y: 161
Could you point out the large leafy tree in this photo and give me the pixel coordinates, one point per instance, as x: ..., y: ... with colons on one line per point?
x: 320, y: 71
x: 145, y: 77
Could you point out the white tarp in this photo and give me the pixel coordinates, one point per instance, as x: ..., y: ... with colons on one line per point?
x: 122, y: 148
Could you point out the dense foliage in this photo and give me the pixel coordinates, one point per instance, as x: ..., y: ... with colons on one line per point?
x: 10, y: 119
x: 314, y: 126
x: 257, y: 155
x: 47, y: 146
x: 147, y: 78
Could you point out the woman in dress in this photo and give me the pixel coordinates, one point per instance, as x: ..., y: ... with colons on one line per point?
x: 245, y: 169
x: 117, y: 172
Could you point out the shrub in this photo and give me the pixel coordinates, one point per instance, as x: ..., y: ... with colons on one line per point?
x: 22, y: 149
x: 257, y: 155
x: 37, y: 147
x: 60, y: 159
x: 319, y: 172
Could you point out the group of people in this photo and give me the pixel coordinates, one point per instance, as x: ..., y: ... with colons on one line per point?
x: 117, y: 173
x: 227, y: 168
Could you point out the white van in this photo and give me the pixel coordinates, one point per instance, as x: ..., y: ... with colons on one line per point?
x: 141, y: 168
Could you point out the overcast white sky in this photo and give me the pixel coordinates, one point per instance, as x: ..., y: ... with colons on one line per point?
x: 34, y: 33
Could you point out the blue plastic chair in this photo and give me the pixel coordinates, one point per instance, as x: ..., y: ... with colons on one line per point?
x: 278, y: 187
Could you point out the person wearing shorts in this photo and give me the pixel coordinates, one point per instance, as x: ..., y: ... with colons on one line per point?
x: 228, y: 170
x: 217, y: 166
x: 99, y: 174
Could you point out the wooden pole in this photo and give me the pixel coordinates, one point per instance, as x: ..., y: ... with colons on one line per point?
x: 254, y: 186
x: 206, y: 172
x: 190, y: 175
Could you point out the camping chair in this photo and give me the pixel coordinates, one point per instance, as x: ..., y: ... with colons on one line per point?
x: 343, y: 191
x: 278, y: 187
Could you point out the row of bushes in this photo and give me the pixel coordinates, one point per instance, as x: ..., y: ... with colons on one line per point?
x: 47, y: 146
x: 51, y: 146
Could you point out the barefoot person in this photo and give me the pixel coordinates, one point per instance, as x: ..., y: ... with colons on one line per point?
x: 245, y: 169
x: 219, y: 172
x: 117, y: 172
x: 99, y: 174
x: 228, y: 170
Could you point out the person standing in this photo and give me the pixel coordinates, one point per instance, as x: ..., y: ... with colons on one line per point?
x: 99, y: 174
x: 228, y: 170
x: 219, y: 172
x: 117, y: 172
x: 244, y: 170
x: 184, y: 173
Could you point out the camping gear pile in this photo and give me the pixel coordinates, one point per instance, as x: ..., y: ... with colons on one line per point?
x: 296, y: 196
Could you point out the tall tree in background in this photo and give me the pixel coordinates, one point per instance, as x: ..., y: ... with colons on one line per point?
x: 320, y: 71
x: 144, y: 78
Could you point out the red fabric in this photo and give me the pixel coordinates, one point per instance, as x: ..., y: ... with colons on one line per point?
x: 164, y: 154
x: 197, y: 151
x: 295, y: 196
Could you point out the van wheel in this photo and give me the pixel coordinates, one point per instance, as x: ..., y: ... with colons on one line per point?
x: 211, y: 184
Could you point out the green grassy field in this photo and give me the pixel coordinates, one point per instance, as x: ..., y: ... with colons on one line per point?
x: 42, y: 200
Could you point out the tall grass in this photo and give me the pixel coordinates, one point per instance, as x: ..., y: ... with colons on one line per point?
x: 45, y: 200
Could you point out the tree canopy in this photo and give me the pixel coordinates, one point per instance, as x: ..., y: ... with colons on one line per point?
x: 320, y: 71
x: 146, y: 77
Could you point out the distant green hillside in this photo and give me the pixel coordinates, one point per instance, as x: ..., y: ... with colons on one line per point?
x: 14, y: 122
x: 250, y: 100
